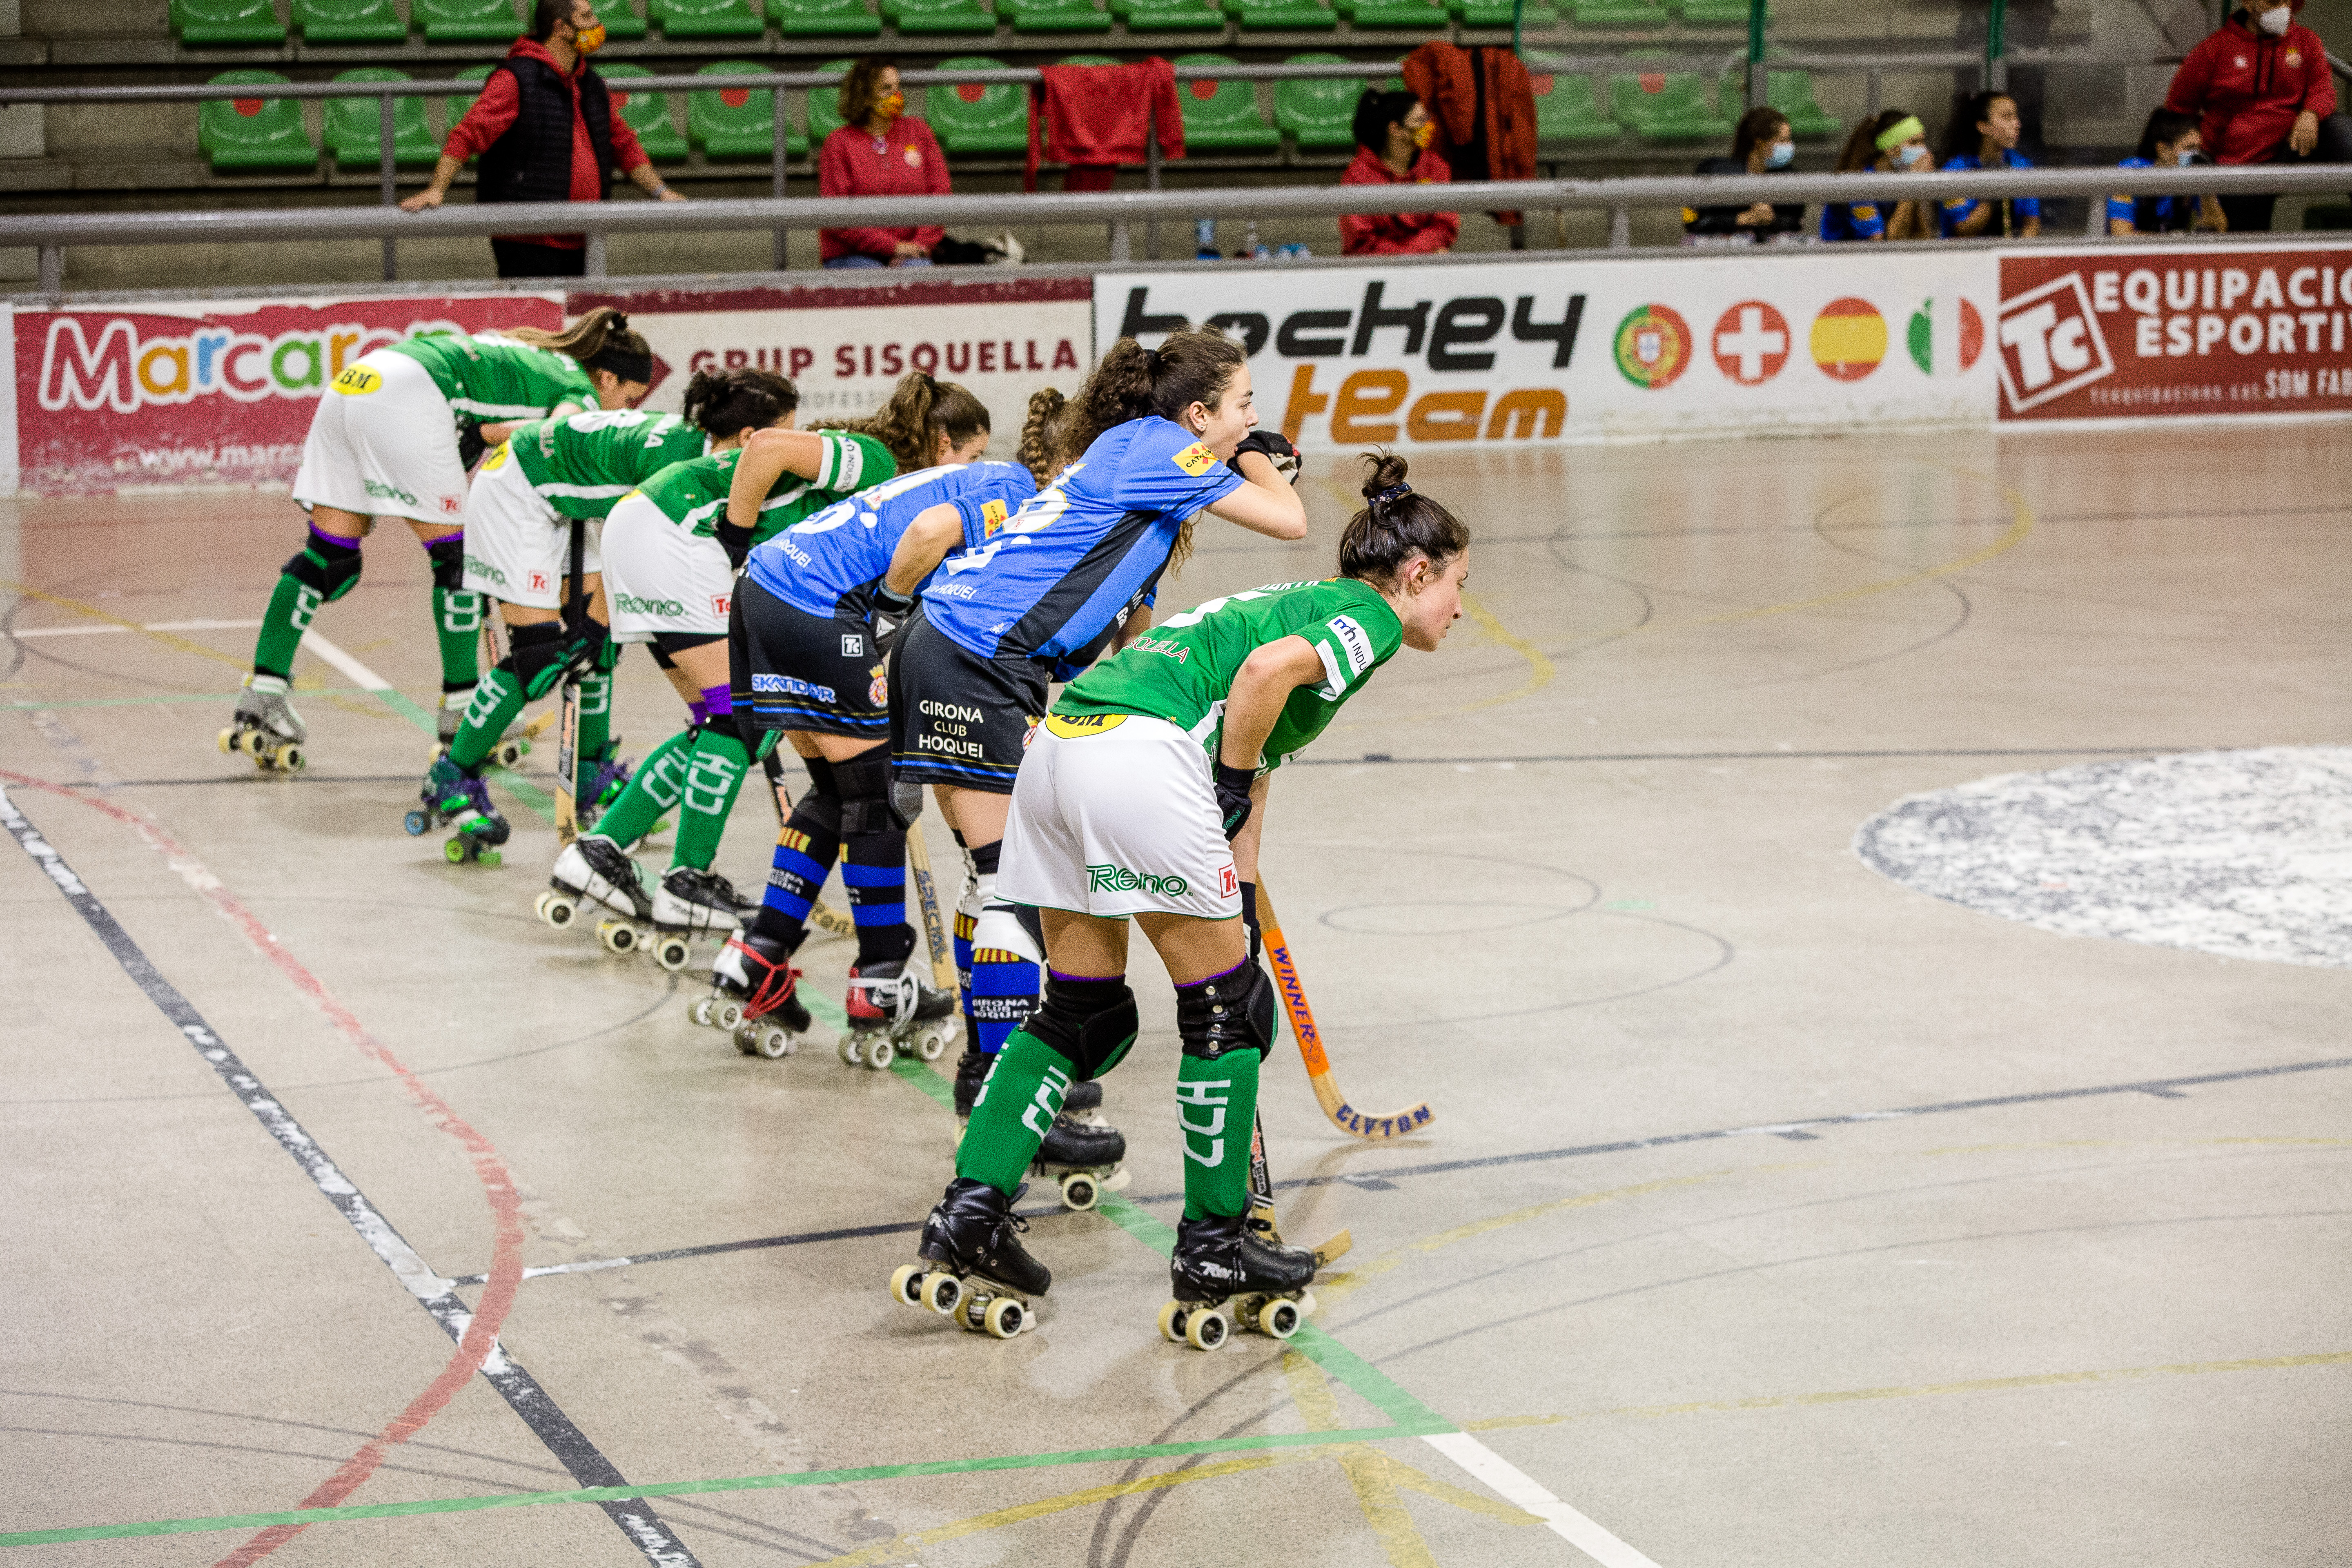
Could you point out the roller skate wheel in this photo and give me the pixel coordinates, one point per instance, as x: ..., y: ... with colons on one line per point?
x: 1278, y: 1318
x: 773, y: 1041
x: 726, y: 1015
x: 507, y: 753
x: 672, y: 952
x: 1171, y: 1322
x: 618, y: 936
x: 415, y: 823
x: 1006, y: 1317
x: 930, y: 1044
x: 906, y: 1285
x: 289, y: 759
x: 853, y: 1051
x: 879, y: 1054
x: 942, y: 1293
x: 1079, y: 1192
x: 559, y: 912
x: 698, y: 1012
x: 227, y: 740
x: 1306, y: 1303
x: 746, y: 1037
x: 457, y: 851
x: 1205, y: 1329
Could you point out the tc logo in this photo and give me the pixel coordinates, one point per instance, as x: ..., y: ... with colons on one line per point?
x: 720, y: 603
x: 853, y: 644
x: 2051, y: 343
x: 538, y: 582
x: 1751, y: 342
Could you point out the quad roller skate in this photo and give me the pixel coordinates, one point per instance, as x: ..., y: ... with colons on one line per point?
x: 451, y: 798
x: 689, y: 903
x: 1225, y: 1276
x: 596, y: 870
x: 1083, y: 1158
x: 892, y: 1013
x: 754, y: 996
x: 970, y: 1266
x: 267, y: 728
x: 971, y: 1070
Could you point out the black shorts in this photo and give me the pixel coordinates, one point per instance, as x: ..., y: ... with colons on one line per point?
x: 792, y: 671
x: 958, y: 719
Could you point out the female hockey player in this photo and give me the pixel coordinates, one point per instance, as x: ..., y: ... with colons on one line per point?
x: 1143, y: 797
x: 393, y: 437
x: 548, y: 474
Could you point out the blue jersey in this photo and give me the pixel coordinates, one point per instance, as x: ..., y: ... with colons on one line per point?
x: 828, y: 565
x: 1863, y: 220
x: 1064, y: 571
x: 1959, y: 209
x: 2151, y: 215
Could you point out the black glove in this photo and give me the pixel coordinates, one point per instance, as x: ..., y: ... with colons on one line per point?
x: 736, y: 542
x: 1234, y: 797
x: 1270, y: 445
x: 891, y: 612
x: 470, y: 444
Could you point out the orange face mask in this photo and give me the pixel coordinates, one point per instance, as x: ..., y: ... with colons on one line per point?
x: 1425, y: 133
x: 589, y: 40
x: 892, y: 107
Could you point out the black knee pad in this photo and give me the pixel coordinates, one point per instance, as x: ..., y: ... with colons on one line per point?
x: 330, y: 574
x: 1225, y: 1013
x: 818, y: 811
x: 535, y: 658
x: 863, y: 782
x: 1089, y: 1022
x: 448, y: 558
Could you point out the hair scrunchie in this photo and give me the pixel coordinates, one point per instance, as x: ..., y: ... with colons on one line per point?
x: 1393, y: 492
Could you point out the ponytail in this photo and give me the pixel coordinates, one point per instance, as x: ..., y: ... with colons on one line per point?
x: 722, y: 402
x: 601, y: 340
x: 1398, y: 523
x: 1041, y: 447
x: 919, y: 412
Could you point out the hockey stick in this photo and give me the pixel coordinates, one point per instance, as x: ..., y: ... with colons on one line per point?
x: 567, y: 742
x: 1345, y: 1117
x: 1261, y: 1203
x: 935, y: 931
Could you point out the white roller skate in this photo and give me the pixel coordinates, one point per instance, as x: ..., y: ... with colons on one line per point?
x: 1226, y: 1277
x: 970, y: 1266
x: 595, y: 871
x: 689, y: 903
x: 267, y: 728
x: 892, y: 1013
x: 754, y: 996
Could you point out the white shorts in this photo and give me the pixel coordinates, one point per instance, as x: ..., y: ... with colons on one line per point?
x: 384, y: 442
x: 1114, y: 815
x: 659, y: 577
x: 519, y: 548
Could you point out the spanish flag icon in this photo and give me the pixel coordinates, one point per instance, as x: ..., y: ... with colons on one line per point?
x: 1849, y: 339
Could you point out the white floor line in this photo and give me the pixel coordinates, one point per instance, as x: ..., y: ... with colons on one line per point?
x: 1517, y: 1487
x: 367, y: 679
x: 150, y: 626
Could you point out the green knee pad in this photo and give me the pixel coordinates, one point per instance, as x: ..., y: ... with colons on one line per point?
x: 1216, y: 1110
x: 1018, y: 1102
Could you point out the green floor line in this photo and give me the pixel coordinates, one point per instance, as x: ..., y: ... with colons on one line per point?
x: 925, y: 1077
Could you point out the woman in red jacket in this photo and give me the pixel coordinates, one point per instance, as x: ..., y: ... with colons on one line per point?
x: 879, y: 151
x: 1392, y: 136
x: 2260, y: 91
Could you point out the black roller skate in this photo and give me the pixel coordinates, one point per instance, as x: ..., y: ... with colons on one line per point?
x: 1083, y: 1158
x: 452, y: 797
x: 1225, y: 1278
x: 970, y: 1265
x: 266, y: 727
x: 595, y: 871
x: 972, y: 1070
x: 689, y: 903
x: 894, y: 1013
x: 754, y: 996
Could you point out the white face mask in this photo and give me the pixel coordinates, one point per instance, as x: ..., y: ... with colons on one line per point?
x: 2277, y: 20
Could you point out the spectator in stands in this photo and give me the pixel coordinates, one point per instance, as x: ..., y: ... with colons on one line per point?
x: 2171, y: 140
x: 1984, y: 136
x: 1762, y: 144
x: 545, y: 131
x: 1392, y: 136
x: 2260, y: 89
x: 1889, y: 141
x: 879, y: 150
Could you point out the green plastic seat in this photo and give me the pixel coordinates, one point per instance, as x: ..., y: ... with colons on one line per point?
x: 1623, y: 15
x: 348, y: 22
x: 1221, y: 116
x: 1790, y: 92
x: 647, y: 113
x: 254, y: 132
x: 1054, y: 16
x: 622, y: 20
x: 824, y: 104
x: 708, y: 20
x: 226, y: 22
x: 1415, y: 16
x: 1713, y: 13
x: 736, y: 122
x: 1666, y: 106
x: 1568, y: 109
x: 1286, y: 16
x: 466, y: 21
x: 1498, y: 14
x: 936, y: 16
x: 978, y: 116
x: 459, y: 103
x: 354, y: 126
x: 824, y: 18
x: 1319, y: 115
x: 1174, y: 17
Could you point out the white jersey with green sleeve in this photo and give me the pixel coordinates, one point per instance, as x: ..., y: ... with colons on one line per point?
x: 581, y: 465
x: 489, y: 377
x: 1181, y: 669
x: 693, y: 495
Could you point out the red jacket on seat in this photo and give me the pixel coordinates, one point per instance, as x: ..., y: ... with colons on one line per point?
x: 1103, y: 114
x: 1484, y: 107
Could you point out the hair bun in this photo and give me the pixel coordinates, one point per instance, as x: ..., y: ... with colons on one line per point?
x: 1385, y: 478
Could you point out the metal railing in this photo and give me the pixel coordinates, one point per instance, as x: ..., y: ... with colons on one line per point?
x: 53, y: 233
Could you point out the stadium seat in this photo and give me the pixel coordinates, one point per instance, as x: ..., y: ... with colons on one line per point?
x: 622, y: 19
x: 1415, y: 16
x: 825, y: 105
x: 738, y: 122
x: 824, y: 18
x: 250, y: 133
x: 1286, y: 16
x: 1173, y: 17
x: 1790, y: 92
x: 466, y: 21
x: 1620, y: 15
x: 647, y: 113
x: 354, y: 126
x: 349, y: 22
x: 1713, y: 13
x: 1221, y: 116
x: 1319, y: 115
x: 1666, y: 106
x: 919, y: 16
x: 226, y: 22
x: 708, y: 20
x: 1498, y: 14
x: 1054, y: 16
x: 977, y: 117
x: 1567, y: 110
x: 458, y: 104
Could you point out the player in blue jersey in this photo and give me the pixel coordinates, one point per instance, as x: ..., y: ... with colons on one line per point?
x: 1162, y: 435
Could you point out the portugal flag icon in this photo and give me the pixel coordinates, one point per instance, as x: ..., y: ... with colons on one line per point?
x: 1849, y: 339
x: 1652, y: 347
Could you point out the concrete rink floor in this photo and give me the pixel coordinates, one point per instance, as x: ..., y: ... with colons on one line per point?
x: 1584, y: 881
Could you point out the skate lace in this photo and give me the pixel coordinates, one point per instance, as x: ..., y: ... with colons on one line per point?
x: 771, y: 994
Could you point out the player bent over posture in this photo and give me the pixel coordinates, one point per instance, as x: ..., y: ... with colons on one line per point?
x: 1139, y: 794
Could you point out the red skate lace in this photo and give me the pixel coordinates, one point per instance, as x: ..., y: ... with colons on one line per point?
x: 769, y: 996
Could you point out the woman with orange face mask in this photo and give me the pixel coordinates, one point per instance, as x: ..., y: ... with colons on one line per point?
x: 1392, y: 135
x: 879, y: 150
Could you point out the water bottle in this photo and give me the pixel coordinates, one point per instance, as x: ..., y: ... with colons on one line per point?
x: 1204, y: 238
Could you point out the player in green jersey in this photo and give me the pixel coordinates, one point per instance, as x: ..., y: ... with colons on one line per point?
x: 547, y: 474
x: 393, y: 437
x: 1142, y: 797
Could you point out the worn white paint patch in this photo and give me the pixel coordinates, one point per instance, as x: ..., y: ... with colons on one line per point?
x: 2240, y: 854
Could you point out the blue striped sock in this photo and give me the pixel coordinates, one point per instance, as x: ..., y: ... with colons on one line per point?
x: 804, y: 859
x: 873, y: 870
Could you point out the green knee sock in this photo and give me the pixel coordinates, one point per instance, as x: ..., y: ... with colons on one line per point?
x: 457, y: 622
x: 1016, y: 1105
x: 1216, y: 1105
x: 596, y: 724
x: 495, y: 702
x: 713, y: 778
x: 291, y: 606
x: 653, y: 789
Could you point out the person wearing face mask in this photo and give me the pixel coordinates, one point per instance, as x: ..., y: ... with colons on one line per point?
x: 879, y: 150
x: 1762, y: 144
x: 1894, y: 141
x: 1394, y: 131
x: 2260, y: 92
x: 1984, y: 136
x: 546, y: 130
x: 2170, y: 141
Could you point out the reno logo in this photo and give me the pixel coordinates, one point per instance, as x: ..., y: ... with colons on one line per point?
x: 92, y: 361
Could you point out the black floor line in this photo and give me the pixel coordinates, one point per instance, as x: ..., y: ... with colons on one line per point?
x: 579, y: 1456
x: 1773, y: 756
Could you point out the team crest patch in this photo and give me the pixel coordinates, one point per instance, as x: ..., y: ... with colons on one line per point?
x: 878, y: 695
x: 991, y: 516
x: 914, y: 156
x: 1031, y: 732
x: 1196, y: 459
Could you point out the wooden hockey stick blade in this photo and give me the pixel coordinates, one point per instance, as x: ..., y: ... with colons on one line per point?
x: 538, y: 726
x: 1345, y: 1117
x: 1334, y: 1249
x: 827, y: 919
x: 935, y: 932
x: 567, y: 761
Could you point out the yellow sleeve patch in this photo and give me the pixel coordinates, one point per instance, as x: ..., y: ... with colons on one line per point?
x: 991, y: 516
x: 357, y: 381
x: 497, y: 459
x: 1078, y: 726
x: 1196, y: 459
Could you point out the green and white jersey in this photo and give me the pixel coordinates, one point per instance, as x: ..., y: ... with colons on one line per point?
x: 581, y: 465
x: 490, y: 377
x: 693, y: 495
x: 1181, y: 669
